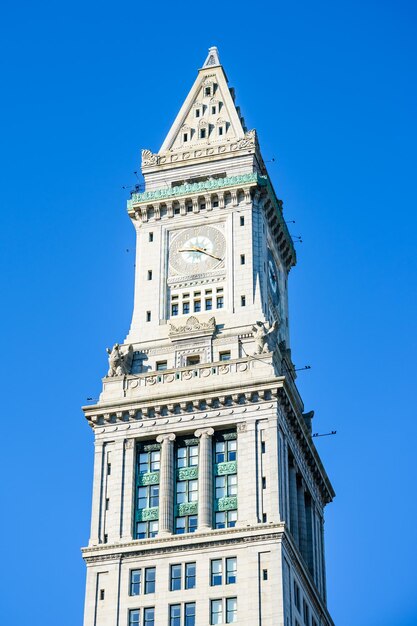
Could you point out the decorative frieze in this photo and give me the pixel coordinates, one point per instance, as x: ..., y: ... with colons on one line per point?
x: 150, y: 478
x: 148, y: 515
x: 228, y: 467
x: 187, y: 508
x: 228, y: 503
x: 187, y: 473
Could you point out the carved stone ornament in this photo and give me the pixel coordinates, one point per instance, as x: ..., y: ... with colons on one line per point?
x: 148, y: 158
x: 148, y: 515
x: 187, y: 473
x: 241, y: 427
x: 228, y: 503
x: 264, y: 336
x: 187, y: 508
x: 193, y: 327
x: 149, y: 478
x: 119, y: 364
x: 166, y: 438
x: 204, y: 432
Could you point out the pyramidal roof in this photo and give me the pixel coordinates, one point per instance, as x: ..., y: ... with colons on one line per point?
x: 209, y: 115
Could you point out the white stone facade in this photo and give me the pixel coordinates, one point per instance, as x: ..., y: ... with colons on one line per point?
x: 202, y: 450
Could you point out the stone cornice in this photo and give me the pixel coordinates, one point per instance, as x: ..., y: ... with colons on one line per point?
x: 188, y: 542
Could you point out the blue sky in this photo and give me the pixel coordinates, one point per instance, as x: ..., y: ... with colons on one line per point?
x: 331, y: 89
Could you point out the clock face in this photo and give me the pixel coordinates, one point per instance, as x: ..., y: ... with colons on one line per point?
x: 196, y: 250
x: 273, y: 277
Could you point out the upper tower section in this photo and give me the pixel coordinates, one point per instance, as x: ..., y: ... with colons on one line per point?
x: 208, y: 129
x: 212, y: 243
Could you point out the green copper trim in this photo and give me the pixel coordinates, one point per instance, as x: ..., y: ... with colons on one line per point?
x: 206, y: 185
x: 187, y: 473
x: 187, y: 508
x: 149, y: 478
x: 147, y: 515
x: 228, y: 467
x: 228, y: 503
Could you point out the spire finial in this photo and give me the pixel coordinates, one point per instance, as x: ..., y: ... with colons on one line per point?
x: 212, y: 58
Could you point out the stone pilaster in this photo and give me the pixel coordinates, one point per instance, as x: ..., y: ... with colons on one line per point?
x: 205, y: 478
x: 128, y: 490
x: 166, y: 484
x: 302, y: 526
x: 292, y: 475
x: 96, y: 511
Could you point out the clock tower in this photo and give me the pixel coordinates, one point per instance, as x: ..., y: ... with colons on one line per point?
x: 208, y: 493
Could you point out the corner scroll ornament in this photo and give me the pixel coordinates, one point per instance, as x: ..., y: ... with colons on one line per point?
x: 168, y: 438
x: 249, y: 141
x: 193, y: 327
x: 204, y: 433
x: 148, y: 158
x: 119, y: 364
x: 263, y: 335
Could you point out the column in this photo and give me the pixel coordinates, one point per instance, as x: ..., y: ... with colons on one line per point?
x: 292, y: 473
x: 166, y: 484
x: 205, y: 478
x: 302, y: 526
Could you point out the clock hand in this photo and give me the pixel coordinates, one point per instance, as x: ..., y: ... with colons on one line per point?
x: 201, y: 250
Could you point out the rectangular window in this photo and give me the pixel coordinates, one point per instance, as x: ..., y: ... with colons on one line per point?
x: 197, y: 112
x: 226, y: 519
x: 186, y: 524
x: 102, y: 594
x: 148, y: 316
x: 226, y: 486
x: 174, y: 309
x: 216, y: 572
x: 231, y: 610
x: 150, y: 575
x: 263, y: 482
x: 216, y: 612
x: 209, y: 304
x: 161, y: 366
x: 185, y: 308
x: 187, y: 456
x: 185, y: 137
x: 175, y: 615
x: 215, y: 203
x: 219, y: 302
x: 177, y: 210
x: 242, y: 300
x: 297, y: 596
x: 193, y: 359
x: 242, y: 259
x: 231, y: 570
x: 149, y: 274
x: 306, y: 613
x: 149, y: 617
x: 264, y: 574
x: 202, y: 133
x: 242, y: 220
x: 220, y: 130
x: 264, y: 518
x: 224, y: 356
x: 197, y: 306
x: 150, y: 237
x: 106, y: 538
x: 189, y: 613
x: 108, y: 469
x: 207, y: 91
x: 225, y: 450
x: 175, y: 577
x: 134, y: 587
x: 213, y: 110
x: 263, y: 447
x: 190, y: 571
x: 107, y: 504
x: 134, y: 617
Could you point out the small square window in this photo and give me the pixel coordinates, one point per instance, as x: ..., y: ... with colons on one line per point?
x: 150, y: 237
x: 209, y: 304
x: 224, y: 356
x: 242, y: 259
x: 161, y: 366
x: 242, y: 220
x: 148, y: 316
x: 193, y: 359
x: 207, y: 91
x: 149, y: 274
x: 242, y: 300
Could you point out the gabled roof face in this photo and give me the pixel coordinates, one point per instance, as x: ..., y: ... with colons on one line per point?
x: 208, y: 115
